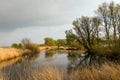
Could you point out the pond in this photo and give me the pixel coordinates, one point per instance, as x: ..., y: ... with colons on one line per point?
x: 63, y: 60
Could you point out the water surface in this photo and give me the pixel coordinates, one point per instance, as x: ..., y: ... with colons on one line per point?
x: 63, y: 60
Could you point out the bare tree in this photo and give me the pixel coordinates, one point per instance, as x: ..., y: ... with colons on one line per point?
x: 25, y: 41
x: 96, y: 23
x: 103, y: 14
x: 109, y: 14
x: 84, y: 31
x: 113, y: 17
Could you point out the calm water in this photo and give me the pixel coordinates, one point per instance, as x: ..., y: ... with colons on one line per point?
x: 61, y: 60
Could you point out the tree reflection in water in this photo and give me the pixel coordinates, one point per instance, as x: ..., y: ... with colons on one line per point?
x: 32, y: 56
x: 49, y: 53
x: 66, y: 60
x: 22, y: 69
x: 18, y: 71
x: 82, y: 60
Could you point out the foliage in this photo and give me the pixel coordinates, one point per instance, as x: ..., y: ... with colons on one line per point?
x: 61, y: 42
x: 71, y: 40
x: 32, y: 47
x: 109, y: 14
x: 50, y: 42
x: 87, y: 30
x: 18, y: 46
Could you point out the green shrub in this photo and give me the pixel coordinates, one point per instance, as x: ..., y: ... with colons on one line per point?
x: 15, y: 45
x: 102, y: 50
x: 50, y: 42
x: 32, y: 47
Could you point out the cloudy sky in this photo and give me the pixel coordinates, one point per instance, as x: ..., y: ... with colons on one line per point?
x: 37, y: 19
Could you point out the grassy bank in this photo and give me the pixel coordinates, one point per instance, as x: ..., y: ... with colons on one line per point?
x: 8, y: 53
x: 107, y: 71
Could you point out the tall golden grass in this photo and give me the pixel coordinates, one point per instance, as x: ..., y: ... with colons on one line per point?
x: 107, y: 71
x: 48, y: 73
x: 8, y: 53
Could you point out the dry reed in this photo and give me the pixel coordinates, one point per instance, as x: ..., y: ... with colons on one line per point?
x: 8, y: 53
x: 107, y: 71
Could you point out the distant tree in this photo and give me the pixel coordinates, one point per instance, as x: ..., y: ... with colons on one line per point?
x: 50, y: 42
x: 25, y: 41
x: 61, y: 42
x: 20, y: 45
x: 27, y: 44
x: 34, y: 48
x: 103, y: 15
x: 15, y: 45
x: 109, y: 14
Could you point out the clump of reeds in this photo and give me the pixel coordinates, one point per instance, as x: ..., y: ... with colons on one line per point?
x: 32, y: 47
x: 8, y: 53
x: 106, y: 50
x: 48, y: 73
x: 107, y: 71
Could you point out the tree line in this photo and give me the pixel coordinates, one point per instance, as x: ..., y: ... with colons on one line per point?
x: 69, y: 42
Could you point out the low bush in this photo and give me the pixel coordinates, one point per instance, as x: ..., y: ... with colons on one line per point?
x: 32, y: 47
x: 105, y: 50
x: 15, y: 45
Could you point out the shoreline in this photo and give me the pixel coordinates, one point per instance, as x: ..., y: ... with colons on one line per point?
x: 10, y: 53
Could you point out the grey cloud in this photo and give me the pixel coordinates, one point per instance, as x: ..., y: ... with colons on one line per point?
x: 16, y: 13
x: 22, y: 13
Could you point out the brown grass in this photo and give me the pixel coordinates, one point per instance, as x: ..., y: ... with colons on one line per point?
x: 8, y: 53
x: 107, y: 71
x: 48, y: 73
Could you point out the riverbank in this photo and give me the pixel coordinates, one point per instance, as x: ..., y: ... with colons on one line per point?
x: 8, y: 53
